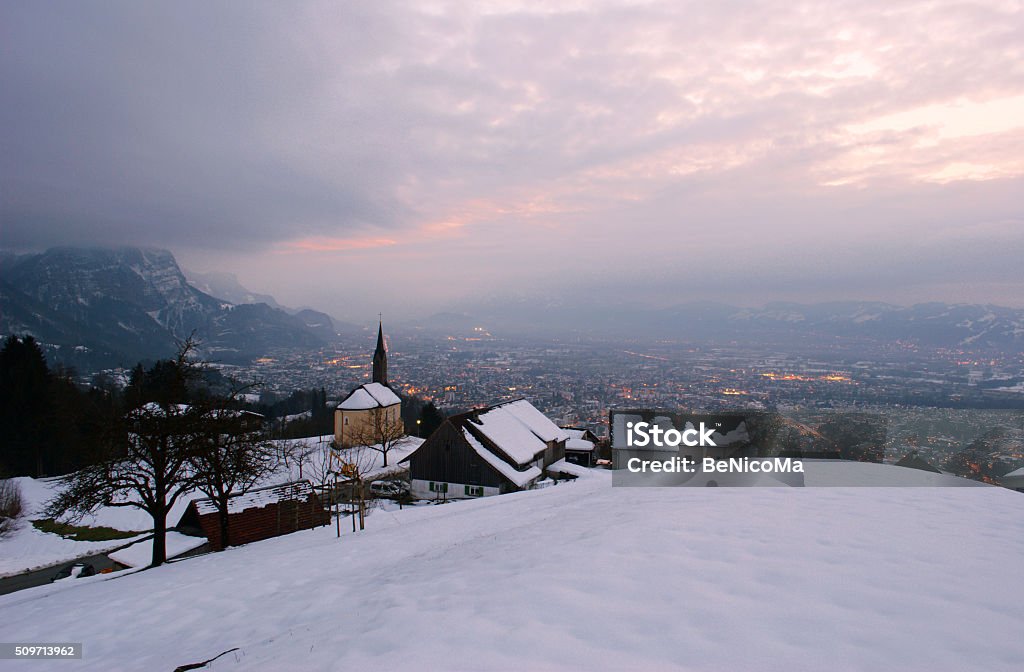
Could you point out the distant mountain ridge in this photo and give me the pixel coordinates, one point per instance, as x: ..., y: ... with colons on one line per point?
x: 101, y: 307
x: 226, y: 286
x: 970, y: 326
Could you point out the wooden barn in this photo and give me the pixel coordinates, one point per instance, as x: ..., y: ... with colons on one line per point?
x: 488, y: 451
x: 258, y: 514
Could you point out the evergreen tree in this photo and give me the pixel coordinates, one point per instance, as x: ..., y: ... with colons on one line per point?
x: 25, y: 407
x: 430, y: 419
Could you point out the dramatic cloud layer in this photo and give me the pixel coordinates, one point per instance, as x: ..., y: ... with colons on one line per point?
x: 434, y: 152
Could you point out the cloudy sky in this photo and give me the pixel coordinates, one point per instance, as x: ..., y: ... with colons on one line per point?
x: 411, y: 157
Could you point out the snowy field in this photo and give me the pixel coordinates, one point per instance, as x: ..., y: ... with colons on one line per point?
x: 28, y: 548
x: 582, y: 576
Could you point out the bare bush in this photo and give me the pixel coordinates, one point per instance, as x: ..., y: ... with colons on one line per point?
x: 10, y: 506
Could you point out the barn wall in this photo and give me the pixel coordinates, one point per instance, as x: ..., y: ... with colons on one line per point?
x: 272, y: 520
x: 446, y: 457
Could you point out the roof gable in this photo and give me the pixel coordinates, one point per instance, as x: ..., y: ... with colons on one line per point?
x: 517, y: 429
x: 370, y: 395
x: 259, y: 498
x: 537, y: 422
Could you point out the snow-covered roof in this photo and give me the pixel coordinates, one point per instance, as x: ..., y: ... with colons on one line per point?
x: 153, y: 408
x: 509, y: 434
x: 520, y: 478
x: 1015, y: 473
x: 579, y: 445
x: 563, y: 467
x: 538, y: 423
x: 732, y: 436
x: 619, y: 423
x: 574, y: 433
x: 257, y: 499
x: 370, y: 395
x: 518, y: 429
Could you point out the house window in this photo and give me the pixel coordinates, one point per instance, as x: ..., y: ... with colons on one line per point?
x: 474, y: 491
x: 438, y: 487
x: 345, y: 419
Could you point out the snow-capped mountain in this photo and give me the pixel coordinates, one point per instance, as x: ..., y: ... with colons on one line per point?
x: 226, y: 286
x: 108, y: 306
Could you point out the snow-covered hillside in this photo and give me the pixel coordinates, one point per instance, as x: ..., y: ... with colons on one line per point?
x: 582, y: 576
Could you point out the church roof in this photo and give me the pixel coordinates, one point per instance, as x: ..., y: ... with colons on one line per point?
x: 381, y: 348
x: 370, y: 395
x: 380, y: 358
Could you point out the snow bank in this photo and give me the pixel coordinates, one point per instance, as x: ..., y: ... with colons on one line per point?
x: 28, y: 548
x: 141, y: 553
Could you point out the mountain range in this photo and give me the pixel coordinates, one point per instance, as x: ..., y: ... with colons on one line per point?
x: 956, y: 326
x: 103, y: 307
x: 95, y: 308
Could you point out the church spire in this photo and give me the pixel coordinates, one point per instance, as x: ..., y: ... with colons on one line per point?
x: 380, y: 358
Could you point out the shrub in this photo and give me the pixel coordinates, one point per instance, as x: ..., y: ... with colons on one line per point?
x: 81, y: 533
x: 10, y: 506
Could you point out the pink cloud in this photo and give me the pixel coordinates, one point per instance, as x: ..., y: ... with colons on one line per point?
x: 328, y: 244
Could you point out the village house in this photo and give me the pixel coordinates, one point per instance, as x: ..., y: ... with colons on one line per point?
x: 488, y: 451
x: 581, y: 447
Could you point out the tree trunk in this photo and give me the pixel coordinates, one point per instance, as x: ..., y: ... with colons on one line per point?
x: 222, y: 514
x: 362, y: 506
x: 159, y: 539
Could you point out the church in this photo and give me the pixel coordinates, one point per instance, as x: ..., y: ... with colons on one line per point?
x: 372, y: 411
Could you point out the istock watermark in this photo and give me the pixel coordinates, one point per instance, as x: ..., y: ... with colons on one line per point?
x: 818, y: 447
x: 643, y: 434
x: 733, y: 465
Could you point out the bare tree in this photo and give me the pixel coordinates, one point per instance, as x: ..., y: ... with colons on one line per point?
x: 10, y: 506
x: 355, y: 464
x: 150, y: 470
x: 231, y: 455
x: 152, y: 476
x: 316, y: 463
x: 380, y: 433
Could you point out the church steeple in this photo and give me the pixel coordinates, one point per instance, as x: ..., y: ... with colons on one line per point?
x: 380, y: 358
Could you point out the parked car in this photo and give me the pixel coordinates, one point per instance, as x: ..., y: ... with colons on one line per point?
x: 74, y: 570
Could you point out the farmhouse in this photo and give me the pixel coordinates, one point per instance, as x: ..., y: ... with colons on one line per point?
x: 487, y: 451
x: 258, y: 514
